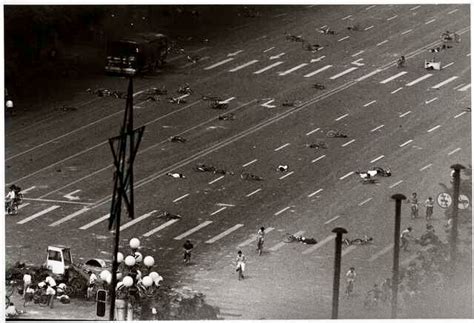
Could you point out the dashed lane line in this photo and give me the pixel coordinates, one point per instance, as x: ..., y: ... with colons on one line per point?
x: 235, y: 69
x: 370, y: 7
x: 268, y: 67
x: 370, y: 103
x: 395, y: 91
x: 159, y: 228
x: 404, y: 114
x: 347, y: 250
x: 382, y: 42
x: 432, y: 100
x: 376, y: 159
x: 249, y: 163
x: 217, y: 179
x: 22, y: 205
x: 346, y: 17
x: 414, y: 8
x: 69, y: 217
x: 191, y: 231
x: 139, y: 219
x: 347, y: 175
x: 96, y: 221
x: 406, y: 143
x: 437, y: 86
x: 343, y: 38
x: 407, y: 31
x: 36, y: 215
x: 454, y: 151
x: 391, y: 18
x: 220, y: 210
x: 358, y: 53
x: 425, y: 167
x: 292, y: 69
x: 57, y: 201
x: 368, y: 28
x: 319, y: 158
x: 219, y: 63
x: 28, y: 189
x: 377, y: 128
x: 312, y: 131
x: 348, y: 143
x: 434, y: 128
x: 458, y: 86
x: 280, y: 15
x: 254, y: 238
x: 281, y: 244
x: 464, y: 88
x: 368, y: 75
x: 180, y: 198
x: 268, y: 49
x: 318, y: 71
x: 342, y: 117
x: 225, y: 233
x: 430, y: 21
x: 319, y: 244
x: 381, y: 252
x: 332, y: 219
x: 282, y: 146
x: 282, y: 210
x: 447, y: 65
x: 343, y: 73
x: 316, y: 192
x: 452, y: 11
x: 424, y: 77
x: 393, y: 77
x: 254, y: 192
x: 286, y: 175
x: 460, y: 114
x: 395, y: 184
x: 365, y: 201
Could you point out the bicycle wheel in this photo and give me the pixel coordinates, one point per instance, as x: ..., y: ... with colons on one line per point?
x: 289, y: 238
x: 44, y: 300
x: 331, y: 133
x: 357, y: 241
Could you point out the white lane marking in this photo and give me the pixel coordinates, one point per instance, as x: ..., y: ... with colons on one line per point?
x: 191, y: 231
x: 343, y: 73
x: 320, y: 58
x: 224, y: 204
x: 357, y: 62
x: 424, y: 77
x: 347, y: 250
x: 377, y: 128
x: 254, y: 192
x: 318, y: 71
x: 180, y: 198
x: 70, y: 196
x: 254, y: 238
x: 281, y: 244
x: 319, y: 244
x: 452, y: 11
x: 464, y: 88
x: 226, y: 232
x: 430, y: 21
x: 406, y: 143
x: 90, y: 224
x: 227, y: 100
x: 378, y: 158
x: 282, y: 146
x: 370, y: 103
x: 358, y: 53
x: 268, y: 49
x: 382, y: 42
x: 69, y: 217
x: 468, y: 54
x: 370, y: 27
x: 23, y: 205
x: 342, y: 117
x: 391, y: 18
x: 320, y: 157
x: 346, y: 17
x: 458, y: 86
x: 460, y: 114
x: 447, y: 65
x: 267, y: 67
x: 220, y: 210
x: 332, y: 219
x: 182, y: 96
x: 407, y: 31
x: 312, y: 131
x: 235, y: 53
x: 28, y: 189
x: 292, y: 69
x: 322, y: 27
x: 369, y: 7
x: 434, y: 128
x: 140, y: 218
x: 316, y: 192
x: 249, y: 163
x: 365, y: 201
x: 280, y: 15
x: 217, y: 179
x: 431, y: 100
x: 268, y: 105
x: 277, y: 56
x: 454, y: 151
x: 414, y: 8
x: 282, y: 210
x: 396, y: 184
x: 368, y: 75
x: 34, y: 216
x: 286, y: 175
x: 348, y: 174
x: 404, y: 114
x: 159, y: 228
x: 395, y: 91
x: 348, y: 143
x: 243, y: 65
x: 381, y: 252
x: 437, y: 86
x: 219, y: 63
x: 343, y: 38
x: 393, y: 77
x: 425, y: 167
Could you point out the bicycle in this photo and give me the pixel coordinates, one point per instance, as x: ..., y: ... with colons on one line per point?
x: 358, y: 241
x: 288, y: 103
x: 318, y: 145
x: 336, y: 134
x: 248, y: 176
x: 11, y: 207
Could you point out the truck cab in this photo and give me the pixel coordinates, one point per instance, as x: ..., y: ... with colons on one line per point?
x: 58, y: 259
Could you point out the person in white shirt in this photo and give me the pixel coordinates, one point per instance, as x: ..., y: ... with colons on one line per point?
x: 26, y: 283
x: 9, y: 107
x: 51, y: 293
x: 50, y: 281
x: 92, y: 282
x: 11, y: 311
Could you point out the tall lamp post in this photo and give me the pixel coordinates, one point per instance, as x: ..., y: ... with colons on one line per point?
x: 396, y: 252
x: 337, y: 271
x: 454, y: 229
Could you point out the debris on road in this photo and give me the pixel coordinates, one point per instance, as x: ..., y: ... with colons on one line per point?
x: 176, y: 175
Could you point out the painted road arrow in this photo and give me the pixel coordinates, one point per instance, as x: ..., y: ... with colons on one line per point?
x: 234, y: 53
x: 70, y: 197
x: 277, y: 56
x: 317, y: 59
x: 268, y: 105
x: 357, y: 62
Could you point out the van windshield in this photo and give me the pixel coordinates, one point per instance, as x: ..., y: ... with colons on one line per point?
x: 121, y: 48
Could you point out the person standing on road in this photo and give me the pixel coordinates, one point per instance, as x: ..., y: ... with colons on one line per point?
x: 9, y: 107
x: 405, y: 235
x: 429, y: 204
x: 91, y: 286
x: 350, y: 278
x: 260, y: 240
x: 51, y: 294
x: 26, y: 283
x: 414, y: 205
x: 240, y: 260
x: 188, y: 247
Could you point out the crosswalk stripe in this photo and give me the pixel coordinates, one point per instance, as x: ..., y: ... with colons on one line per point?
x: 243, y: 65
x: 393, y: 77
x: 424, y: 77
x: 34, y: 216
x: 319, y: 244
x: 343, y: 73
x: 90, y: 224
x: 254, y: 237
x: 292, y: 69
x: 437, y: 86
x: 268, y: 67
x: 219, y: 63
x: 226, y: 232
x: 191, y: 231
x: 281, y: 244
x: 141, y: 218
x: 318, y: 71
x: 69, y: 217
x: 347, y: 250
x: 159, y: 228
x: 464, y: 88
x: 381, y: 252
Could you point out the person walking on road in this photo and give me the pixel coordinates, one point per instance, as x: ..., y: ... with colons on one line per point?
x: 429, y: 204
x: 414, y: 205
x: 404, y: 237
x: 240, y: 260
x: 188, y: 247
x: 350, y: 278
x: 260, y: 240
x: 26, y: 282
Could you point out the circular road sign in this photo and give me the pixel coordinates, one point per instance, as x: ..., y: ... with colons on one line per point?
x: 444, y: 200
x: 463, y: 202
